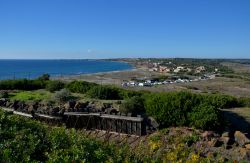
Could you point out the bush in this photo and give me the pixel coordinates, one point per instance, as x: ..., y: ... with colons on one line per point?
x: 80, y: 86
x: 221, y: 101
x: 44, y: 77
x: 22, y: 84
x: 170, y: 109
x: 53, y: 86
x: 105, y: 93
x: 133, y: 105
x: 245, y: 102
x: 185, y: 108
x: 205, y: 117
x: 26, y: 140
x: 62, y: 95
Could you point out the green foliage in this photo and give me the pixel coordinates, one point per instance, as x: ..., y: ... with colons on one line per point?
x: 104, y: 93
x: 80, y: 86
x: 185, y: 108
x: 244, y: 102
x: 53, y: 86
x: 21, y: 140
x: 133, y: 105
x: 62, y: 95
x: 22, y: 84
x: 30, y: 95
x: 221, y: 101
x: 205, y: 117
x: 25, y: 140
x: 170, y: 108
x: 44, y: 77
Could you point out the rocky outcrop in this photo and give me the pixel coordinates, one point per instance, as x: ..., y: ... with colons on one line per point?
x: 241, y: 138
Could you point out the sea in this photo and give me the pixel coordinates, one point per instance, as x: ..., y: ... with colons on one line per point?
x: 30, y: 69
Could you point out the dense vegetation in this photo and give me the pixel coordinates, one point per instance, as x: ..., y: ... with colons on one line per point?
x: 169, y: 109
x: 188, y: 109
x: 24, y: 140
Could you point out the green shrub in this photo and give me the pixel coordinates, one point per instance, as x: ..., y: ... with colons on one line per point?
x: 53, y: 86
x: 169, y: 109
x: 182, y: 108
x: 221, y: 101
x: 205, y: 117
x: 80, y: 86
x: 44, y: 77
x: 133, y: 105
x: 104, y: 93
x: 62, y: 95
x: 245, y: 102
x: 26, y: 140
x: 22, y: 84
x: 22, y: 140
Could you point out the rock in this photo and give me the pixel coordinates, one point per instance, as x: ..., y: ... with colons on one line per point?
x: 247, y: 146
x: 207, y: 135
x: 241, y: 138
x: 70, y: 105
x: 225, y: 140
x: 225, y: 134
x: 54, y: 110
x: 215, y: 143
x: 8, y: 104
x: 244, y: 154
x: 152, y: 122
x: 3, y: 101
x: 81, y: 105
x: 15, y: 105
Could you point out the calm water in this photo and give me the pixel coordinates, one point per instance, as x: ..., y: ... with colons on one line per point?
x: 10, y: 69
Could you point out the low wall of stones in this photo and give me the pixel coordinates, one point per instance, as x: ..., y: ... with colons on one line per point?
x: 93, y: 121
x: 83, y: 119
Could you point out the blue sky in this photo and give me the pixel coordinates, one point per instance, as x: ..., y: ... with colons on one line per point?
x: 51, y: 29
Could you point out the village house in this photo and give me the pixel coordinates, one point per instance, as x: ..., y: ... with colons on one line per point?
x: 200, y: 69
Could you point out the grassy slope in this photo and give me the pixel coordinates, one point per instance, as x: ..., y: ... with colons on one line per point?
x: 30, y: 95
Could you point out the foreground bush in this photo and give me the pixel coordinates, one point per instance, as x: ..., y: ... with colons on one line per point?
x: 53, y: 86
x: 80, y: 86
x: 205, y: 117
x: 105, y: 93
x: 62, y: 95
x: 133, y: 105
x: 25, y: 140
x: 186, y: 109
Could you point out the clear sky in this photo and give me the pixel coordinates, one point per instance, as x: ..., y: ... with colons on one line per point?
x: 50, y: 29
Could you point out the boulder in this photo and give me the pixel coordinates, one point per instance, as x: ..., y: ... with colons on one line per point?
x: 207, y: 135
x: 247, y: 146
x: 244, y: 154
x: 8, y: 104
x: 241, y: 138
x: 214, y: 142
x: 225, y: 134
x: 225, y: 140
x: 54, y: 110
x: 15, y: 105
x: 81, y: 105
x: 70, y: 105
x: 3, y: 101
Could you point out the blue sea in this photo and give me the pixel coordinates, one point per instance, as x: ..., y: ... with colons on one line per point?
x: 13, y: 69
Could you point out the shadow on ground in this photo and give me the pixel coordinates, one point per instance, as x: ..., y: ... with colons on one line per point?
x: 237, y: 122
